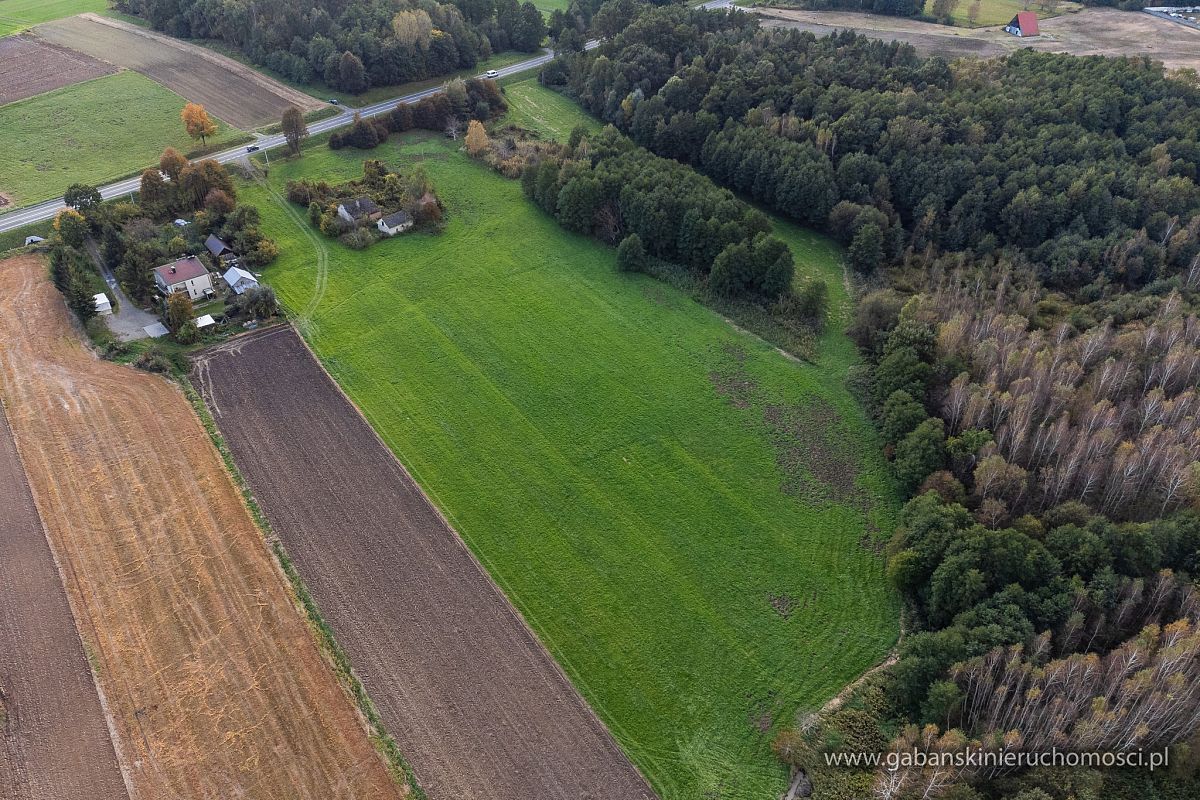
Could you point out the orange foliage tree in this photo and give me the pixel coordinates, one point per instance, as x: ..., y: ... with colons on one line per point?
x: 199, y: 125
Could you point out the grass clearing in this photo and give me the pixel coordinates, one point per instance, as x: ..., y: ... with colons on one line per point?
x: 681, y: 513
x: 1000, y: 12
x: 17, y: 15
x: 547, y: 113
x: 90, y: 132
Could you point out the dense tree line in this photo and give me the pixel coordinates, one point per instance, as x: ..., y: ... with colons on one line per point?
x: 447, y: 111
x: 610, y: 188
x: 894, y: 8
x: 1054, y: 453
x: 1085, y: 165
x: 353, y: 46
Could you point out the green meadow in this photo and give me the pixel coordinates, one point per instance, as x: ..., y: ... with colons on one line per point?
x: 90, y: 132
x: 681, y: 512
x: 17, y: 15
x: 999, y: 12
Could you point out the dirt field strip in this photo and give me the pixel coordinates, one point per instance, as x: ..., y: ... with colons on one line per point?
x: 471, y: 696
x: 54, y: 739
x: 31, y: 66
x: 241, y: 96
x: 213, y: 680
x: 1090, y: 32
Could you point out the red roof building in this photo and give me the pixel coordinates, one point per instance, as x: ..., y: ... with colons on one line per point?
x: 185, y: 275
x: 1024, y: 24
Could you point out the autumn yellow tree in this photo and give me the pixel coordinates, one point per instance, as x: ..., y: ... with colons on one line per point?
x: 71, y: 227
x: 199, y: 125
x: 477, y: 138
x: 413, y: 28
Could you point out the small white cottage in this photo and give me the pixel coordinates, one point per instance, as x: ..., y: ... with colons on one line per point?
x: 239, y: 280
x: 395, y: 223
x: 103, y: 306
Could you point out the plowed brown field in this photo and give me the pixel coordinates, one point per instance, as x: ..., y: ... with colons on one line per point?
x: 54, y: 742
x: 31, y: 66
x: 213, y: 680
x: 469, y: 693
x: 229, y: 90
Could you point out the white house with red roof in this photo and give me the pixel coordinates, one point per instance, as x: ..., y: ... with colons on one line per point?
x: 1024, y: 24
x: 187, y: 274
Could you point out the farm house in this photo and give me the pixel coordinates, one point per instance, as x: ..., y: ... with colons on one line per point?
x: 1023, y: 25
x: 184, y: 275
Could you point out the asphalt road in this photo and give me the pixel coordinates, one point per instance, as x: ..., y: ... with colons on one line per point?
x: 27, y: 215
x: 42, y: 211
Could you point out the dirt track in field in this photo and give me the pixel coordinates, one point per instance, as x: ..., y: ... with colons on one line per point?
x: 1090, y: 32
x: 214, y: 683
x: 54, y: 741
x: 229, y: 90
x: 31, y: 66
x: 473, y: 699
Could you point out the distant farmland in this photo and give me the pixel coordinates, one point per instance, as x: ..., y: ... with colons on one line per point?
x: 683, y: 515
x: 90, y: 132
x: 16, y: 15
x: 234, y: 92
x: 31, y: 66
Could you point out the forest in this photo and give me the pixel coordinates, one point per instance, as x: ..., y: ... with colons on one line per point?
x: 1025, y: 236
x: 353, y: 46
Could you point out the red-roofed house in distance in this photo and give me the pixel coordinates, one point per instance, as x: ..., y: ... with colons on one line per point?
x: 187, y: 274
x: 1024, y: 24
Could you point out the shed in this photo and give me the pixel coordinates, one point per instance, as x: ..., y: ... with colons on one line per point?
x: 395, y: 223
x: 205, y: 321
x: 1024, y: 24
x: 217, y: 247
x: 33, y: 240
x: 103, y: 306
x: 239, y: 280
x: 156, y: 330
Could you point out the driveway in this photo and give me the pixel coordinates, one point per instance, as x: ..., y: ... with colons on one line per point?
x: 127, y: 321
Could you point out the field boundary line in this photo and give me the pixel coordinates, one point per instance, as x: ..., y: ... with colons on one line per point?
x: 77, y: 615
x: 284, y: 92
x: 508, y: 604
x: 335, y: 656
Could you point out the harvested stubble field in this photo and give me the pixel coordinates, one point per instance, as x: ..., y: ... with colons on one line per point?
x: 54, y: 741
x: 214, y: 682
x: 470, y: 695
x: 683, y: 516
x: 31, y: 66
x: 234, y: 92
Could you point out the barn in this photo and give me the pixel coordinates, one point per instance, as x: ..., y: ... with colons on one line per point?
x: 1024, y: 24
